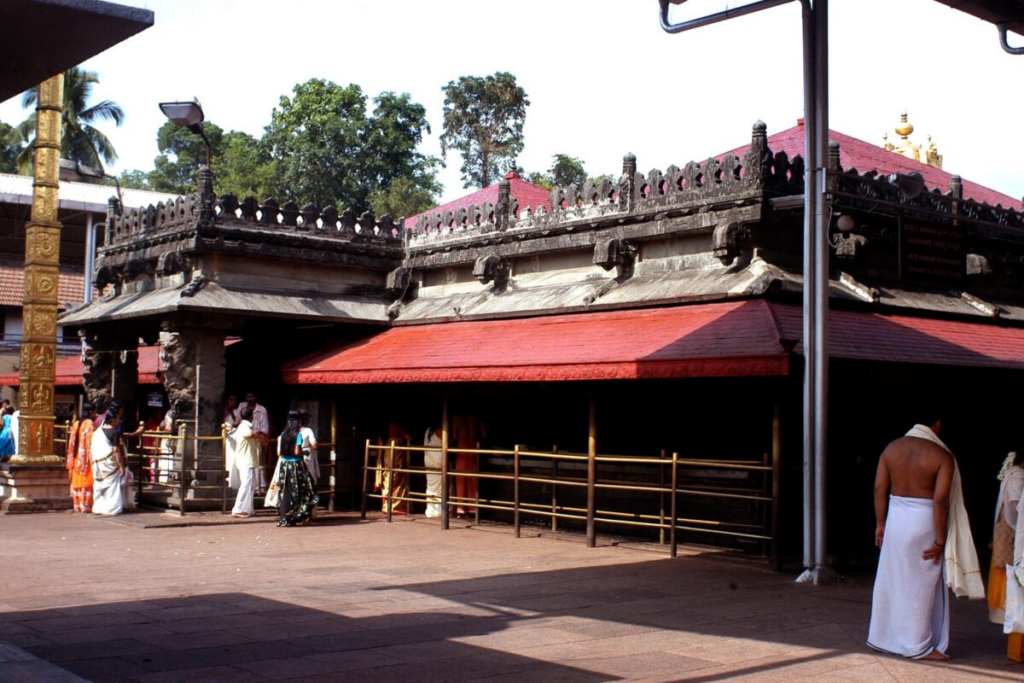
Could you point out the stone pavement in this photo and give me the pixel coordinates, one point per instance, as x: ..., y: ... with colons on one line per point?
x: 365, y: 601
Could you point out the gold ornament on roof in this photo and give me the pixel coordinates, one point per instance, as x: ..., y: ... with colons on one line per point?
x: 928, y: 153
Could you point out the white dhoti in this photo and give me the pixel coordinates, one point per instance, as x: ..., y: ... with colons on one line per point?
x: 432, y: 461
x: 246, y: 491
x: 108, y: 482
x: 910, y: 605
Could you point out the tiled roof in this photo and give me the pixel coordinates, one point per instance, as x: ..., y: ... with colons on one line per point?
x: 864, y: 156
x: 81, y: 193
x: 528, y: 195
x: 70, y: 287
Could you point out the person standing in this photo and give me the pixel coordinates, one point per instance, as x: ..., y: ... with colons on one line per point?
x: 261, y: 428
x: 6, y: 435
x: 392, y: 483
x: 16, y: 430
x: 1004, y: 551
x: 432, y: 463
x: 246, y: 460
x: 298, y: 498
x: 230, y: 420
x: 926, y: 544
x: 80, y: 462
x: 468, y: 431
x: 308, y: 446
x: 108, y: 468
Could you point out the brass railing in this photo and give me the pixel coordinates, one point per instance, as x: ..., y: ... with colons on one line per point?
x: 666, y: 485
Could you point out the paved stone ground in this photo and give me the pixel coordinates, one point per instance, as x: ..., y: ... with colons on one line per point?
x: 365, y: 601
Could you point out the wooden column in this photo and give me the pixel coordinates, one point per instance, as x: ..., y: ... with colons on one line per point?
x: 444, y: 462
x: 592, y: 475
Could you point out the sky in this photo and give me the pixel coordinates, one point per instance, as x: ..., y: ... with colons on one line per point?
x: 602, y: 78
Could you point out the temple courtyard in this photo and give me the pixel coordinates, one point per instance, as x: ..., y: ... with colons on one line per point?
x: 347, y: 600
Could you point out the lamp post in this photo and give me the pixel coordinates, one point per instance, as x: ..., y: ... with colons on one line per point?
x: 188, y: 115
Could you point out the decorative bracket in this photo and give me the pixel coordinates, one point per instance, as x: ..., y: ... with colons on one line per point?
x: 728, y: 240
x: 492, y: 268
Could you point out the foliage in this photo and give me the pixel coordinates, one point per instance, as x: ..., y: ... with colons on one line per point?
x: 133, y: 180
x: 483, y: 121
x: 80, y: 140
x: 401, y: 199
x: 329, y: 150
x: 565, y: 170
x: 9, y: 149
x: 245, y: 168
x: 182, y: 152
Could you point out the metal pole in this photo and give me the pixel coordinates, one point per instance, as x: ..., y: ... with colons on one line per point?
x: 810, y: 252
x: 821, y: 293
x: 445, y: 516
x: 554, y: 489
x: 776, y: 484
x: 182, y: 444
x: 366, y: 483
x: 661, y: 499
x: 389, y: 500
x: 715, y: 18
x: 673, y: 544
x: 476, y: 489
x: 592, y: 475
x: 90, y: 255
x: 334, y: 455
x: 515, y: 485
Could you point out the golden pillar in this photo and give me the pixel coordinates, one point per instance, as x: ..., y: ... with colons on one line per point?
x: 39, y: 309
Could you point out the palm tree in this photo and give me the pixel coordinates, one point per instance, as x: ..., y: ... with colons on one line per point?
x: 80, y: 141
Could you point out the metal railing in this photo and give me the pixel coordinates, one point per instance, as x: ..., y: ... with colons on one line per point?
x: 665, y: 479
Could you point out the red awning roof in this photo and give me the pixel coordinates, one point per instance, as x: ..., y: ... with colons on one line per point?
x: 749, y: 338
x: 69, y: 371
x: 528, y: 195
x: 727, y: 339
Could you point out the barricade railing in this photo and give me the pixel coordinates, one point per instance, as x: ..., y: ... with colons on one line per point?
x: 61, y: 436
x: 174, y: 463
x: 669, y: 483
x: 326, y: 465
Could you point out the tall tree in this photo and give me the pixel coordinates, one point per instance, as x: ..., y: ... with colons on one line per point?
x: 182, y: 152
x: 245, y: 168
x: 329, y: 150
x: 9, y: 149
x: 565, y: 170
x: 81, y: 141
x: 483, y: 121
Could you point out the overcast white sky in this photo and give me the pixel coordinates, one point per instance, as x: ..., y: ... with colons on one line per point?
x: 602, y: 77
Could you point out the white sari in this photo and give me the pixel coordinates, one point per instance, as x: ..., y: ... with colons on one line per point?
x: 108, y: 482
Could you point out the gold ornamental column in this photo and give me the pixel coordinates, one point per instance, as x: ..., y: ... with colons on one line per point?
x: 39, y: 310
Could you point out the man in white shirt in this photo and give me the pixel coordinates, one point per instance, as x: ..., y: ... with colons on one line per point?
x: 247, y: 448
x: 261, y: 428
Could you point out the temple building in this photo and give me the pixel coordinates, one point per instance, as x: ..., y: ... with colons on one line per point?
x: 658, y: 312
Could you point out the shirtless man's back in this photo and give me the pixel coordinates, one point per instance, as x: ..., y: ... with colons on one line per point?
x: 913, y: 467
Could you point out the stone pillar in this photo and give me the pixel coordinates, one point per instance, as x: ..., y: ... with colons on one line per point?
x: 193, y: 358
x: 35, y: 478
x: 111, y: 370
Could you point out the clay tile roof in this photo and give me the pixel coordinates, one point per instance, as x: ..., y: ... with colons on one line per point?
x: 70, y: 288
x: 528, y: 194
x: 864, y: 156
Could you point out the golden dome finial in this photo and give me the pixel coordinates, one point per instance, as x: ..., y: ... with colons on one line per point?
x: 905, y: 128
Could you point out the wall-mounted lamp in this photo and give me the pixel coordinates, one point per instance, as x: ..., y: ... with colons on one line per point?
x: 188, y: 115
x: 910, y: 184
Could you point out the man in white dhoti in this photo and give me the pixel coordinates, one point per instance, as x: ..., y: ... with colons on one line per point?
x: 926, y: 546
x: 247, y: 451
x: 108, y: 468
x: 432, y: 463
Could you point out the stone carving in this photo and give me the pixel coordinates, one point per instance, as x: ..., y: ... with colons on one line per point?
x: 728, y: 240
x: 136, y: 223
x: 398, y: 280
x: 492, y: 268
x: 178, y: 359
x: 289, y: 214
x: 193, y: 287
x: 978, y: 265
x: 98, y: 374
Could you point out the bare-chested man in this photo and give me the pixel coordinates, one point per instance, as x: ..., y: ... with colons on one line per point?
x: 910, y: 606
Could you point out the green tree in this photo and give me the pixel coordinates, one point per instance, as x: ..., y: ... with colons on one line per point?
x: 244, y: 167
x: 329, y: 150
x: 565, y: 170
x: 483, y: 121
x: 401, y: 199
x: 81, y: 141
x: 133, y: 180
x: 182, y: 152
x: 9, y: 149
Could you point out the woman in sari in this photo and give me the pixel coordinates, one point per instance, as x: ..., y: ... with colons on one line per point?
x: 1003, y: 552
x: 108, y: 470
x: 7, y: 435
x: 298, y: 497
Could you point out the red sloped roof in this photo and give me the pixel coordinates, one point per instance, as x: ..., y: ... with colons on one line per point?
x: 70, y: 285
x: 903, y: 339
x: 528, y: 195
x: 69, y: 370
x: 864, y: 156
x: 725, y: 339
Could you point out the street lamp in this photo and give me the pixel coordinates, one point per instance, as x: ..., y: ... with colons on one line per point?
x: 188, y: 115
